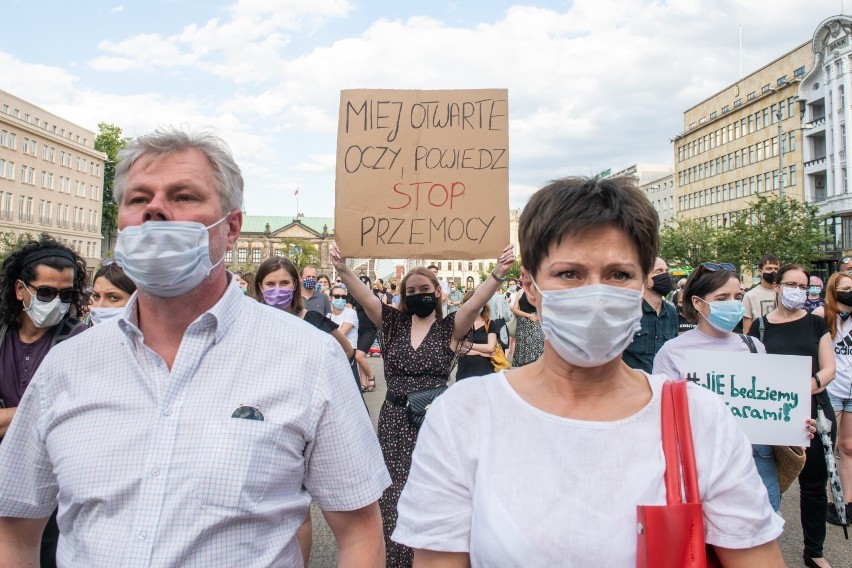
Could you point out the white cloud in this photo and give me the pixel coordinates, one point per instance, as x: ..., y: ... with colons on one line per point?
x: 116, y: 9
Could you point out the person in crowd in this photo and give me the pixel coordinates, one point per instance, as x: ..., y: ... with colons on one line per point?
x: 814, y: 300
x: 313, y: 299
x: 678, y: 292
x: 659, y: 319
x: 324, y: 284
x: 344, y: 316
x: 445, y: 289
x: 503, y: 474
x: 41, y: 301
x: 454, y: 298
x: 476, y: 357
x: 366, y: 339
x: 790, y: 330
x: 501, y: 313
x: 529, y: 340
x: 247, y: 285
x: 111, y: 290
x: 760, y: 300
x: 238, y: 278
x: 712, y: 298
x: 836, y: 311
x: 419, y: 349
x: 160, y: 421
x: 394, y: 295
x: 845, y: 265
x: 683, y: 324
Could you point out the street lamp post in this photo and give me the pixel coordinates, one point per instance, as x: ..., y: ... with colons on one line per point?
x: 780, y: 157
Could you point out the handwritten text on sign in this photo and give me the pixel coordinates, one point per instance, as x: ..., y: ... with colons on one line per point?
x: 769, y: 395
x: 422, y: 174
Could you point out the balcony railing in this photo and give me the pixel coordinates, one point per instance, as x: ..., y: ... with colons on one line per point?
x: 815, y: 162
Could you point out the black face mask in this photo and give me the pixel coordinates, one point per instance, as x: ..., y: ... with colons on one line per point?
x: 845, y: 298
x: 421, y: 305
x: 662, y: 283
x: 769, y: 277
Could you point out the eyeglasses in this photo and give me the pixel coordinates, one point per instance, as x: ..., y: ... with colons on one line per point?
x: 339, y: 296
x: 845, y: 259
x: 713, y: 267
x: 794, y: 285
x: 48, y: 293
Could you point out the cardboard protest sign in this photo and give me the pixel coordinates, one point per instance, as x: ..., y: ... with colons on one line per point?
x: 769, y: 395
x: 422, y: 174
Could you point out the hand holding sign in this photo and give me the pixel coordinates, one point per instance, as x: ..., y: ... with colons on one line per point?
x: 505, y: 262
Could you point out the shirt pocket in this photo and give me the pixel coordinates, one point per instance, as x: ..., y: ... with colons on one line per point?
x: 247, y: 459
x: 643, y: 343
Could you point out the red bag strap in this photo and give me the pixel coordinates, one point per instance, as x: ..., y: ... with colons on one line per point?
x: 670, y: 449
x: 684, y: 438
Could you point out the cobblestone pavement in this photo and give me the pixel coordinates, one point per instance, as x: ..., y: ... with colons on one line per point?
x: 837, y: 550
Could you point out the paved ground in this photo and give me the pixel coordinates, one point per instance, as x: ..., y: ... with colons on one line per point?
x: 837, y: 550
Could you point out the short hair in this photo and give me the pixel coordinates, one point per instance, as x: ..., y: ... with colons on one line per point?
x: 431, y: 266
x: 815, y: 281
x: 790, y: 267
x: 114, y: 273
x: 269, y: 266
x: 432, y: 278
x: 23, y: 263
x: 570, y: 206
x: 701, y: 283
x: 165, y: 142
x: 309, y: 266
x: 766, y: 259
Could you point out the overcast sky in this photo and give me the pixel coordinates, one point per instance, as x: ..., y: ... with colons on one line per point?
x: 592, y: 84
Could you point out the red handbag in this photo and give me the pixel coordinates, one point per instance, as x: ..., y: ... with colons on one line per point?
x: 672, y: 535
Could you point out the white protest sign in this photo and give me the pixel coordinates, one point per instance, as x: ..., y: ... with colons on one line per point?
x: 768, y: 395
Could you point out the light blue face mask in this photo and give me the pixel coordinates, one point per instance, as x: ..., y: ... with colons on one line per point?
x: 339, y: 303
x: 724, y: 314
x: 166, y: 258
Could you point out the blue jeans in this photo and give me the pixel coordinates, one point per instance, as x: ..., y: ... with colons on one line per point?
x: 764, y: 460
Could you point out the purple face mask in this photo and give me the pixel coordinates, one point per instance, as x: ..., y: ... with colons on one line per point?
x: 278, y: 297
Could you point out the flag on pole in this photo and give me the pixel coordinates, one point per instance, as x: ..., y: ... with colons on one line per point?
x: 296, y: 192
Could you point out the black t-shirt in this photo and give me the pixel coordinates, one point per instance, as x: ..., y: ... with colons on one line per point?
x: 797, y: 337
x: 524, y: 304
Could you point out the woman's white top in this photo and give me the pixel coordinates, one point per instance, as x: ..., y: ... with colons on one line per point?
x: 670, y: 360
x: 348, y: 315
x: 514, y: 486
x: 841, y: 386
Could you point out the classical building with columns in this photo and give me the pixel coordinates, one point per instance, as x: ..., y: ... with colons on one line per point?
x: 265, y: 236
x: 824, y: 95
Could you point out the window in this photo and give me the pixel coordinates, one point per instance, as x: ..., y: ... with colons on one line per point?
x: 255, y: 255
x: 725, y: 109
x: 21, y: 202
x: 792, y: 178
x: 764, y: 89
x: 782, y: 80
x: 767, y: 120
x: 738, y: 103
x: 759, y: 183
x: 713, y: 115
x: 842, y: 92
x: 12, y: 140
x: 800, y: 72
x: 242, y: 255
x: 10, y: 170
x: 791, y: 144
x: 23, y: 174
x: 751, y: 96
x: 229, y: 256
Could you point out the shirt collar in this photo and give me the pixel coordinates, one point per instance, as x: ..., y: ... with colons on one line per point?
x: 221, y: 316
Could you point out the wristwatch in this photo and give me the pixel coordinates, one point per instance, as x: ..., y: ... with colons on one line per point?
x: 497, y: 278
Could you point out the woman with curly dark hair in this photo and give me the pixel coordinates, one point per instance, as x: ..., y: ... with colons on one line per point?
x: 40, y: 298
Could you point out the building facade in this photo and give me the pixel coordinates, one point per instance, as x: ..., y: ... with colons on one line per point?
x: 51, y: 177
x: 824, y: 97
x: 262, y: 237
x: 732, y: 143
x: 661, y: 194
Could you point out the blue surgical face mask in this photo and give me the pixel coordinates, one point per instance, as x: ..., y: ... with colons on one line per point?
x: 166, y: 258
x: 339, y: 303
x: 724, y: 314
x: 814, y: 290
x: 100, y: 315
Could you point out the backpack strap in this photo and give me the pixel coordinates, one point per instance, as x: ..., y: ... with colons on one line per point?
x: 65, y: 329
x: 749, y: 342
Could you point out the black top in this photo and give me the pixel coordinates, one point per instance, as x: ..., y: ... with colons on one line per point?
x: 473, y: 364
x: 524, y: 304
x: 319, y: 321
x: 365, y: 324
x: 798, y: 337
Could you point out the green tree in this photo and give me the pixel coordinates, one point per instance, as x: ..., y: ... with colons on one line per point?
x: 11, y: 241
x: 688, y: 242
x: 789, y: 229
x: 513, y: 274
x: 300, y: 252
x: 109, y: 141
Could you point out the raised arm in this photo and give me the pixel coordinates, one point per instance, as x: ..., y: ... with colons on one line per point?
x: 469, y: 311
x: 371, y: 304
x: 20, y: 541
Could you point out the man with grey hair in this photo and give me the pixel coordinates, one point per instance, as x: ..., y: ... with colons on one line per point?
x: 195, y: 428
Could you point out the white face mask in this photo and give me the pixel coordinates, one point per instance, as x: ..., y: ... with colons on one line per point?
x: 45, y: 314
x: 590, y: 325
x: 100, y: 315
x: 166, y: 258
x: 793, y: 298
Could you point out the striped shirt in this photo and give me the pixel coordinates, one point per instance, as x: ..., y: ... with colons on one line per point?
x: 147, y: 464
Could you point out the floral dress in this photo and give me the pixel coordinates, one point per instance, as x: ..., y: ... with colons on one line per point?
x: 406, y: 370
x: 529, y: 340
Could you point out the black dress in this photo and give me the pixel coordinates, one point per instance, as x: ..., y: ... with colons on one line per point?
x: 406, y: 370
x: 473, y: 364
x: 529, y: 340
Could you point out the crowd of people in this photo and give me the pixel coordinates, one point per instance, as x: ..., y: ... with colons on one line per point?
x: 170, y: 413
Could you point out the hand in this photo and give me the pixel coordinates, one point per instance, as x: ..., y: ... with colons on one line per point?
x: 338, y: 261
x: 811, y: 428
x: 505, y: 262
x: 532, y: 317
